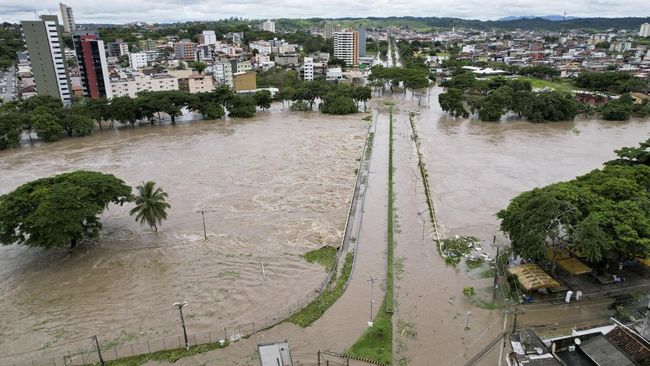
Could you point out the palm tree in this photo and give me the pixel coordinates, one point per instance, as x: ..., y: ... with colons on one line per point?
x: 150, y: 205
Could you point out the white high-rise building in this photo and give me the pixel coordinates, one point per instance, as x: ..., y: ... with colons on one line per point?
x: 49, y: 69
x: 308, y: 68
x: 269, y: 26
x: 208, y: 37
x: 346, y: 47
x: 645, y: 30
x: 67, y: 18
x: 137, y: 60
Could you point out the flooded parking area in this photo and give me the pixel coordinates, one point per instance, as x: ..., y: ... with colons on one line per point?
x: 271, y: 188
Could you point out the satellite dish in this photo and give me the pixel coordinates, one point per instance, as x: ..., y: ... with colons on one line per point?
x: 577, y: 341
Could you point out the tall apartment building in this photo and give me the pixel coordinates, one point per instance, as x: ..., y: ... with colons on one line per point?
x: 147, y: 45
x: 645, y: 30
x: 185, y: 50
x: 43, y: 42
x: 67, y: 18
x: 118, y: 48
x: 308, y: 68
x: 330, y: 28
x: 137, y: 60
x: 362, y: 41
x: 207, y: 37
x: 93, y: 70
x: 346, y: 46
x: 269, y: 26
x: 223, y: 70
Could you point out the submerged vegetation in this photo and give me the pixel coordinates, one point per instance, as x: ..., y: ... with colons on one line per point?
x: 315, y: 309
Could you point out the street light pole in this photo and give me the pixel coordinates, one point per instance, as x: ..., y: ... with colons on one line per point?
x: 99, y: 351
x: 372, y: 283
x: 180, y: 306
x: 469, y: 314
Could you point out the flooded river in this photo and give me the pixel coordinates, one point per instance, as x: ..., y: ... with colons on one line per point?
x: 476, y: 167
x: 272, y: 188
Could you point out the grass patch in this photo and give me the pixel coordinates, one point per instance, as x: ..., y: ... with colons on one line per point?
x: 559, y: 86
x: 326, y: 256
x: 376, y: 343
x: 168, y: 355
x: 315, y: 309
x: 473, y: 263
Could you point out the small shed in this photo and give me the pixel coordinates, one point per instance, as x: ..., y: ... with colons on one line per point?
x: 532, y: 277
x: 274, y: 354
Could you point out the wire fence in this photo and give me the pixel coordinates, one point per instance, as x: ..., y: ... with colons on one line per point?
x: 85, y: 352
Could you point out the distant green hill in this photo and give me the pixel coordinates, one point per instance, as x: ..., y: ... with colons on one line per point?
x: 434, y: 23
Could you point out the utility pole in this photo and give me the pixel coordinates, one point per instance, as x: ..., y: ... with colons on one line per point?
x: 514, y: 323
x: 372, y: 283
x: 180, y: 306
x: 205, y: 234
x: 496, y: 276
x: 99, y: 351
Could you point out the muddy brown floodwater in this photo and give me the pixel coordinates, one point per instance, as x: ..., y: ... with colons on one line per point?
x: 272, y: 188
x: 476, y: 167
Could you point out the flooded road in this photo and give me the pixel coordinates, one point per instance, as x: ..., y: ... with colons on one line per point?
x: 272, y: 188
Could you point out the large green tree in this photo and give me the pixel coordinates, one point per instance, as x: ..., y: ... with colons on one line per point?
x: 604, y: 214
x: 59, y: 210
x: 150, y: 205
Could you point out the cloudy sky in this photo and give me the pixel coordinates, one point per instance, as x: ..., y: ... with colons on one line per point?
x: 122, y: 11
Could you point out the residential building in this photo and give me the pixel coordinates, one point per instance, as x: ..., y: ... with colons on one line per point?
x: 200, y: 83
x: 207, y: 37
x: 362, y: 41
x: 93, y: 69
x: 118, y: 48
x: 268, y: 26
x: 43, y: 42
x: 147, y: 45
x: 245, y: 81
x: 67, y: 18
x: 287, y: 60
x: 334, y: 74
x: 185, y: 50
x: 308, y: 68
x: 620, y: 46
x: 330, y: 28
x: 133, y: 83
x: 137, y: 60
x: 262, y: 47
x: 645, y: 30
x: 223, y: 70
x: 346, y: 46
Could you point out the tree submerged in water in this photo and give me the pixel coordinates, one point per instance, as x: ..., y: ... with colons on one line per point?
x: 150, y: 205
x: 59, y: 210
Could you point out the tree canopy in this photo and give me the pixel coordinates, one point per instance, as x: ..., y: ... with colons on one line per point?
x: 59, y: 210
x: 604, y: 214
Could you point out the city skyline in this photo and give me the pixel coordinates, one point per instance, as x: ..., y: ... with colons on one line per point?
x: 167, y: 11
